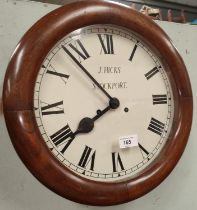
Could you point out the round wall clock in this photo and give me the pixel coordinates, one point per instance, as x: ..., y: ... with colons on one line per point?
x: 97, y: 102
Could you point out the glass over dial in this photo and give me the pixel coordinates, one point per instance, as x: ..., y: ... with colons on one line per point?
x: 103, y: 103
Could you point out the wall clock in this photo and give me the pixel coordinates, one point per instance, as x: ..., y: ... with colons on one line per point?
x: 97, y: 102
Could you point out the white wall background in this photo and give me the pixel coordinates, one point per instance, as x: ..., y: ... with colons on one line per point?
x: 19, y: 190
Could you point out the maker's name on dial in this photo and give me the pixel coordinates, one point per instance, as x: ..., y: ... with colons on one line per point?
x: 112, y: 85
x: 109, y: 70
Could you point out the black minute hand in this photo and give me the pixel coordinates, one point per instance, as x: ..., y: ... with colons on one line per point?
x: 86, y: 72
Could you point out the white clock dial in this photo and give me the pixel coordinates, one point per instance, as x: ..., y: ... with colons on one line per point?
x: 124, y: 140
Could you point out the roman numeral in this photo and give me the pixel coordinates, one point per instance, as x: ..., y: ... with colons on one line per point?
x: 143, y: 150
x: 159, y: 99
x: 106, y: 41
x: 116, y: 162
x: 57, y: 74
x: 52, y: 109
x: 133, y: 53
x: 156, y: 126
x: 63, y: 136
x: 151, y: 73
x: 87, y: 158
x: 79, y: 51
x: 51, y: 71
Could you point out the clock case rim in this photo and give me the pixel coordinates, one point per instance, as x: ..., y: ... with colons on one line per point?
x: 18, y: 94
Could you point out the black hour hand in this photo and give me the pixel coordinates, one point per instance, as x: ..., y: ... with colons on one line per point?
x: 87, y: 124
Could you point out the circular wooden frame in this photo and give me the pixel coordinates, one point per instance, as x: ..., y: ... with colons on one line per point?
x: 18, y: 102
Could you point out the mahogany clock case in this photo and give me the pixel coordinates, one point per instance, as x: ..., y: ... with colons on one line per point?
x: 18, y: 103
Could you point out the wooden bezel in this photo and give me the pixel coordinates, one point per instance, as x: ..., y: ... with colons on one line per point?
x: 18, y: 93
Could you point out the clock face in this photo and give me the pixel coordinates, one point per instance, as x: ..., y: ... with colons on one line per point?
x: 98, y: 99
x: 124, y: 140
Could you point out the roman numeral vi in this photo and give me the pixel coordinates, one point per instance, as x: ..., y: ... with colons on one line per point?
x: 116, y: 162
x: 87, y: 158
